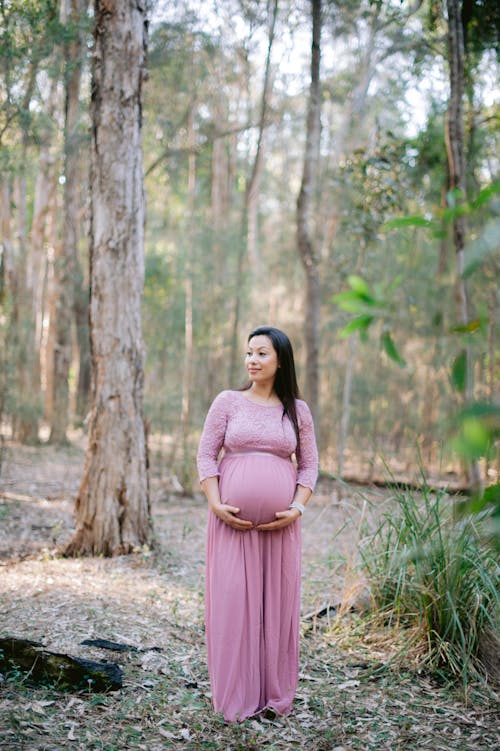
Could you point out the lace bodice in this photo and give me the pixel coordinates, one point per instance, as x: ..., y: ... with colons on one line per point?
x: 236, y: 424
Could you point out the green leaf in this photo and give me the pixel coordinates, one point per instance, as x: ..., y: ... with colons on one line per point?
x: 489, y: 413
x: 361, y: 322
x: 395, y: 283
x: 391, y: 349
x: 407, y: 221
x: 491, y: 497
x: 485, y: 195
x: 353, y: 302
x: 468, y: 328
x: 459, y: 371
x: 474, y: 440
x: 455, y: 211
x: 358, y: 284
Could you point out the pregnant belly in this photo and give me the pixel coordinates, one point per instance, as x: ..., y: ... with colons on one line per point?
x: 258, y: 484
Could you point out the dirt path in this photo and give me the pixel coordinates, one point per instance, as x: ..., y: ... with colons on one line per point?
x: 154, y: 599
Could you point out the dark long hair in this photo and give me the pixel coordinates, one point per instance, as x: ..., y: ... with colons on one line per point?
x: 285, y: 384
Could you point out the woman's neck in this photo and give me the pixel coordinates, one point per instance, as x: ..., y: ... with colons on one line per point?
x: 263, y: 392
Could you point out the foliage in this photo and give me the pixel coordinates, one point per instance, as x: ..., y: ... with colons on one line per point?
x: 30, y: 30
x: 202, y: 100
x: 432, y: 571
x: 369, y: 306
x: 476, y: 427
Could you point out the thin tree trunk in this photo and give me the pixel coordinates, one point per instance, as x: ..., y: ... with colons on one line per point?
x: 251, y: 206
x: 455, y: 147
x: 6, y: 294
x: 307, y: 251
x: 81, y: 311
x: 181, y: 439
x: 253, y: 186
x: 113, y: 510
x: 27, y: 392
x: 346, y: 403
x: 66, y: 259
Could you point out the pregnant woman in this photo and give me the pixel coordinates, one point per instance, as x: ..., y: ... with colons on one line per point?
x: 256, y: 496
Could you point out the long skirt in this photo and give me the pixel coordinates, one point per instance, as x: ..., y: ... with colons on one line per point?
x: 252, y: 602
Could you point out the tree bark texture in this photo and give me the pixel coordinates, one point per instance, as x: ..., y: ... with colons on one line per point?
x: 113, y: 511
x: 307, y: 251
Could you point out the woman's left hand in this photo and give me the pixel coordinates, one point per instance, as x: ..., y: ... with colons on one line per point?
x: 283, y: 519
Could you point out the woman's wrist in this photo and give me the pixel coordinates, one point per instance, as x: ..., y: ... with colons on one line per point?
x: 299, y: 506
x: 214, y: 504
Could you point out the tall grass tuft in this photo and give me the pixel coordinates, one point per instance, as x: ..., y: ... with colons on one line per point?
x: 433, y: 572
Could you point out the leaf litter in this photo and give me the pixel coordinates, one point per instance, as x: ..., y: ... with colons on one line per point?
x: 153, y: 602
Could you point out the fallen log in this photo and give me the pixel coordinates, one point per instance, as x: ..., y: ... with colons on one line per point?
x: 115, y: 646
x: 452, y: 488
x: 324, y: 610
x: 60, y: 670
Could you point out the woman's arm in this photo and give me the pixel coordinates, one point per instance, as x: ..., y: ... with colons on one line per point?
x: 224, y: 511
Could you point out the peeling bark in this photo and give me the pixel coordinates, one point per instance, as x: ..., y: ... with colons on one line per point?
x: 113, y: 510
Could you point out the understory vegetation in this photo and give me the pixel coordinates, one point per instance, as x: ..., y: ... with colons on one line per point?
x: 433, y: 572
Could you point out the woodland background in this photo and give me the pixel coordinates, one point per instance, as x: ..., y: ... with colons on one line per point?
x: 345, y: 190
x: 224, y: 125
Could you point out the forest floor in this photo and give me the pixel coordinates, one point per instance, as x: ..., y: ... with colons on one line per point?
x: 153, y: 600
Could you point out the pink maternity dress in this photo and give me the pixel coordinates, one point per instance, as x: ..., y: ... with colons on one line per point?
x: 252, y: 602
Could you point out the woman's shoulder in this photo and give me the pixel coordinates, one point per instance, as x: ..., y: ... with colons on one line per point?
x: 225, y: 398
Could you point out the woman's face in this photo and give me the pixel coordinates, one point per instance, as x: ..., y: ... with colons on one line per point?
x: 261, y: 360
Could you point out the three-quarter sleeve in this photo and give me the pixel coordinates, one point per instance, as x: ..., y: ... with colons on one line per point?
x: 212, y: 437
x: 307, y: 463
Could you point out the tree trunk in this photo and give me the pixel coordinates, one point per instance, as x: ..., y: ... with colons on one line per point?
x: 6, y: 292
x: 251, y: 206
x: 66, y: 261
x: 346, y: 403
x: 81, y: 311
x: 113, y: 511
x: 182, y: 433
x: 455, y: 147
x: 27, y: 380
x: 253, y: 186
x: 307, y: 251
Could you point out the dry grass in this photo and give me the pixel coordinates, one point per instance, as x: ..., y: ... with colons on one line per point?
x: 154, y: 599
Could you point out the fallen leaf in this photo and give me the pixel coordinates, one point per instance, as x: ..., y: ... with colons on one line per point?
x: 71, y: 734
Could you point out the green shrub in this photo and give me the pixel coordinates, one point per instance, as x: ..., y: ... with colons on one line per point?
x: 433, y: 572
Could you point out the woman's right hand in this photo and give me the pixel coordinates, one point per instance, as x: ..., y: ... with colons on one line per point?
x: 227, y: 514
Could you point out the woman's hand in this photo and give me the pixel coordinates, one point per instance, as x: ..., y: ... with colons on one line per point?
x: 227, y: 514
x: 283, y: 519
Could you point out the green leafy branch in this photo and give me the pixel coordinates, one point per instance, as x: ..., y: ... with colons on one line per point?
x: 368, y: 306
x: 479, y: 250
x: 477, y: 425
